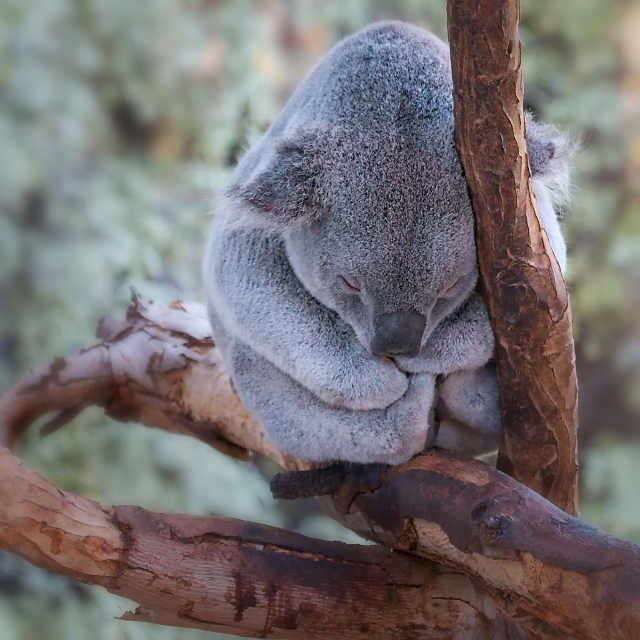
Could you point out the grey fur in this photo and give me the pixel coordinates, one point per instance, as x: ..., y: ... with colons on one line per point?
x: 358, y: 184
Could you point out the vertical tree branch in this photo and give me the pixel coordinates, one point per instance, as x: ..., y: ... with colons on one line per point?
x: 526, y: 294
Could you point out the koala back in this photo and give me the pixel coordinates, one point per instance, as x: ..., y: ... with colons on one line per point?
x: 389, y: 81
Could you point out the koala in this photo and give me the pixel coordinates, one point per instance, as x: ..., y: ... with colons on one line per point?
x: 341, y: 269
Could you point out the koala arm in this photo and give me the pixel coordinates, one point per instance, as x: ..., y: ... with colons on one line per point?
x: 463, y: 340
x: 258, y: 299
x: 304, y: 426
x: 467, y: 404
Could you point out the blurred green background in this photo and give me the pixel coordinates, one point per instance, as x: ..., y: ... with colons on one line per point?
x: 120, y: 121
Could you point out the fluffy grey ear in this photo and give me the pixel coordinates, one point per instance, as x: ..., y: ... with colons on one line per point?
x: 549, y: 154
x: 285, y: 188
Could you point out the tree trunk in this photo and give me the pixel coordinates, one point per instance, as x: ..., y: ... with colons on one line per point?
x: 524, y: 288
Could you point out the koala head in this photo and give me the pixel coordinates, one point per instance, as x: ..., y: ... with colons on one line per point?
x: 361, y: 177
x: 378, y: 227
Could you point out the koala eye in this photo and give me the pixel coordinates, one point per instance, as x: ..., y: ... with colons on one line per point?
x: 349, y: 286
x: 458, y: 285
x: 452, y: 289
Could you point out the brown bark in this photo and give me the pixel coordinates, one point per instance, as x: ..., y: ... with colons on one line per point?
x: 157, y: 368
x: 237, y: 577
x: 549, y: 572
x: 527, y: 298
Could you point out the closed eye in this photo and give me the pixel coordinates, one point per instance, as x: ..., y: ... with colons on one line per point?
x: 457, y: 285
x: 451, y: 289
x: 349, y: 285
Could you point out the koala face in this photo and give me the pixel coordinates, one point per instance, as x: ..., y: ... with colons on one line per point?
x: 361, y: 177
x: 392, y: 248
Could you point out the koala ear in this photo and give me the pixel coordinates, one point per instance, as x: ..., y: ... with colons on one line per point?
x: 549, y: 154
x: 285, y: 187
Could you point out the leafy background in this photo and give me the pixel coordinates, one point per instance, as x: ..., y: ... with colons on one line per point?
x: 120, y: 121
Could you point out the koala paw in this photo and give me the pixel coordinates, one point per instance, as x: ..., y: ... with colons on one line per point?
x: 469, y: 410
x: 463, y: 340
x: 407, y: 422
x: 361, y: 384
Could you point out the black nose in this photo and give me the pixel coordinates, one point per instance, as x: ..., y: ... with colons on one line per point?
x: 398, y: 333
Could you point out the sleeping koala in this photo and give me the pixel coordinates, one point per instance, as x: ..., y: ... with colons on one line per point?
x: 341, y: 270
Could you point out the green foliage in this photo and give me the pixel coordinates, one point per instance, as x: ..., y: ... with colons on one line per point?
x: 119, y: 122
x: 610, y: 483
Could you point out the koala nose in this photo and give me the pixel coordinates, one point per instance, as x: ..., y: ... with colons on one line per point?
x: 398, y: 333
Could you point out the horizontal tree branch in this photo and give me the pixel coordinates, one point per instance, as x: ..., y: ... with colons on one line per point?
x: 550, y: 572
x: 158, y: 368
x: 237, y: 577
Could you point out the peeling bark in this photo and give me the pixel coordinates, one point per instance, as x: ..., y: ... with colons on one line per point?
x: 158, y: 368
x: 524, y: 288
x: 547, y: 570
